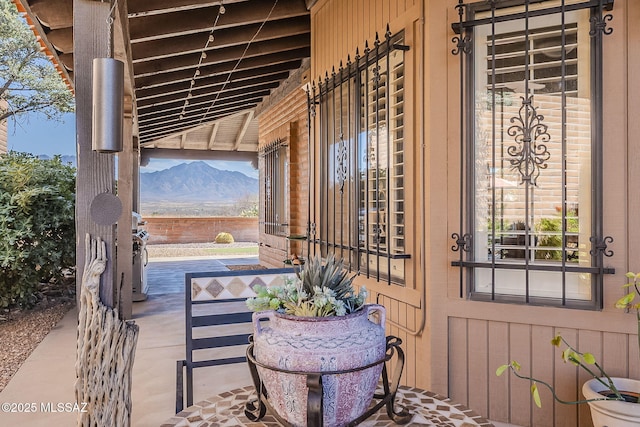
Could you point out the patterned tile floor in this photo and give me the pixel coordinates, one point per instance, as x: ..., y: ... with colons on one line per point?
x: 428, y: 409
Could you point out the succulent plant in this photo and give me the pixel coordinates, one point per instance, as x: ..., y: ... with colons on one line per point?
x: 319, y: 289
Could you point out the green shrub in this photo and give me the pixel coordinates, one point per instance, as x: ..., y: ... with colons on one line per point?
x: 224, y: 238
x: 37, y: 225
x: 250, y: 212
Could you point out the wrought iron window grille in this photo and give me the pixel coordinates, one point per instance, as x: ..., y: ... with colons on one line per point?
x: 274, y: 158
x: 357, y: 112
x: 514, y: 56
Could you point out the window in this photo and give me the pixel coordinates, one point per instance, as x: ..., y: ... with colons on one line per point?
x: 274, y: 156
x: 532, y: 147
x: 360, y: 130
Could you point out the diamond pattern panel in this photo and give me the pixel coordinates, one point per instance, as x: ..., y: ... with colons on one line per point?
x: 240, y: 286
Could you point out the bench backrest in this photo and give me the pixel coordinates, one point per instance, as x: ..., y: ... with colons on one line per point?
x: 217, y: 321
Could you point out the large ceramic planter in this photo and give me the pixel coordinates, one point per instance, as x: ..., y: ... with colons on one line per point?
x: 611, y: 413
x: 319, y: 344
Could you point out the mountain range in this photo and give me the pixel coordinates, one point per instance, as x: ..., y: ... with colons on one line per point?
x: 196, y: 182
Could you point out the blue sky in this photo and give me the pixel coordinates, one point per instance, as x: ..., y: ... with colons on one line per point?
x: 37, y: 135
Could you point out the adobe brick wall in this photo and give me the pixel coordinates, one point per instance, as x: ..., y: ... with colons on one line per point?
x: 286, y: 120
x: 200, y: 229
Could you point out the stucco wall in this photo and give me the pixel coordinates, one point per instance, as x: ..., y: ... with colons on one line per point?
x: 200, y: 230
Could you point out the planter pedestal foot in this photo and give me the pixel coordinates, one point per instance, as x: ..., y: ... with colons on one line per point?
x: 257, y: 408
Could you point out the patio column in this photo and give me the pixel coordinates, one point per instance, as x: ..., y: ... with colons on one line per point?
x: 126, y: 160
x: 96, y: 171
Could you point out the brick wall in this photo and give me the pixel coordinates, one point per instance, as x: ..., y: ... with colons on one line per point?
x: 286, y: 119
x: 200, y: 230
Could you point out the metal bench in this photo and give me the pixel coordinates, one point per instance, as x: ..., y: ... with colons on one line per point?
x: 217, y: 321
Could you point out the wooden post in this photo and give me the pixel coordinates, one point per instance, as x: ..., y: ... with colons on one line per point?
x: 96, y: 171
x: 125, y: 193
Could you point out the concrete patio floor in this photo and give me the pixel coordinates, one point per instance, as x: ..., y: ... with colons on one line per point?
x: 47, y: 377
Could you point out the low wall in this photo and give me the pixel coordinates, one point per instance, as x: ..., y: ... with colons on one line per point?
x: 200, y: 229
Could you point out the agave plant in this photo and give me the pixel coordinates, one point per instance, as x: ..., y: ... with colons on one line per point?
x: 320, y: 289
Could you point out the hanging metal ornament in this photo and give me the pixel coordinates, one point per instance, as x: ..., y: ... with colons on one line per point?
x: 108, y: 100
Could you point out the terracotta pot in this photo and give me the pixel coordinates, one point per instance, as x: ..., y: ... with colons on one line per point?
x: 612, y: 413
x: 319, y: 344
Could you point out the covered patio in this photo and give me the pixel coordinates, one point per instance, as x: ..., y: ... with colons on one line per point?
x: 475, y: 161
x: 161, y: 343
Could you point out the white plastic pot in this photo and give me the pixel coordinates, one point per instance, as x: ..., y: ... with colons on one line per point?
x: 613, y: 413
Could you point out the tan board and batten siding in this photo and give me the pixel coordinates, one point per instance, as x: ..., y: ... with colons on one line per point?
x: 463, y: 341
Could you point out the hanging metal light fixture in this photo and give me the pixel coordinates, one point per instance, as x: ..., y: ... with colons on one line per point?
x: 108, y: 99
x: 108, y: 105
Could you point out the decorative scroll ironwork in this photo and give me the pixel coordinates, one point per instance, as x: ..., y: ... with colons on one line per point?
x: 599, y: 25
x: 528, y: 147
x: 463, y: 43
x: 342, y: 172
x: 273, y: 156
x: 462, y: 242
x: 311, y: 102
x: 359, y: 178
x: 599, y: 21
x: 267, y: 188
x: 600, y: 246
x: 529, y: 155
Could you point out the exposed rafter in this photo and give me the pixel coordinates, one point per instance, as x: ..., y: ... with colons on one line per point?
x: 243, y: 130
x: 193, y: 69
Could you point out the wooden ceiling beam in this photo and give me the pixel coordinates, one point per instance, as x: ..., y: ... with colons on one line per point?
x: 276, y: 71
x: 53, y: 14
x: 200, y: 118
x: 243, y: 130
x: 64, y: 69
x: 244, y: 86
x: 192, y: 21
x: 168, y: 153
x: 220, y: 56
x: 162, y: 114
x: 157, y: 132
x: 62, y: 39
x: 212, y: 136
x: 181, y: 45
x: 199, y: 111
x: 139, y: 8
x: 225, y: 68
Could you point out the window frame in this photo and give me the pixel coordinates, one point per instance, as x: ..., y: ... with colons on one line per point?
x: 276, y: 170
x: 335, y: 133
x: 468, y: 21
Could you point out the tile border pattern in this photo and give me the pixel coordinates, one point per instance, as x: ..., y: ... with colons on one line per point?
x: 429, y: 409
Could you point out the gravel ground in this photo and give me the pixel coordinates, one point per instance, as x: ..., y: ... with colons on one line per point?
x: 21, y: 332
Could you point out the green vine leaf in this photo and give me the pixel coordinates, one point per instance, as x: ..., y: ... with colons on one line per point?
x: 501, y: 369
x: 536, y: 395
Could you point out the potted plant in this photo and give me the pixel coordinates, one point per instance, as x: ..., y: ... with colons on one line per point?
x: 318, y: 323
x: 614, y: 402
